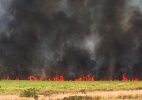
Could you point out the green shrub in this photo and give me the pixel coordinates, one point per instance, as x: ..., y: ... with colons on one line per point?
x: 83, y: 91
x: 31, y: 92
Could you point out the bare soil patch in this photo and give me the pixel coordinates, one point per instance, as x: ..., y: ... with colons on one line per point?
x: 103, y: 94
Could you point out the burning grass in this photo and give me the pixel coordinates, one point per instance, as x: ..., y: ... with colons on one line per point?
x: 53, y: 87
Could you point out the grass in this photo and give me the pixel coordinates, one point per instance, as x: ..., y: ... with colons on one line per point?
x: 31, y: 92
x: 130, y: 96
x: 78, y: 98
x: 120, y: 97
x: 50, y: 87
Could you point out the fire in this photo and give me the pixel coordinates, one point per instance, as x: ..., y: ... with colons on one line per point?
x: 124, y: 77
x: 32, y: 78
x: 41, y: 78
x: 8, y: 78
x: 85, y: 78
x: 17, y: 78
x: 135, y: 79
x: 82, y: 77
x: 56, y: 78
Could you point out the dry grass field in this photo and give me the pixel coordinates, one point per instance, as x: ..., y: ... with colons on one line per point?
x: 70, y: 90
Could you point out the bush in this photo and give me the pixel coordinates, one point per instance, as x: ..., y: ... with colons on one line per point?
x: 83, y: 91
x: 31, y: 92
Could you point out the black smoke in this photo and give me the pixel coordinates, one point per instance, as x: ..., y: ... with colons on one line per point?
x: 54, y: 37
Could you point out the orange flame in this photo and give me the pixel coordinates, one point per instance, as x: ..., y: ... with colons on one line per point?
x: 8, y: 78
x: 85, y: 78
x: 17, y: 78
x: 82, y: 77
x: 41, y: 78
x: 56, y: 78
x: 135, y: 79
x: 124, y: 77
x: 32, y: 78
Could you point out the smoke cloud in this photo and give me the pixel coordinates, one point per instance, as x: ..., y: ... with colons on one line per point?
x: 54, y: 37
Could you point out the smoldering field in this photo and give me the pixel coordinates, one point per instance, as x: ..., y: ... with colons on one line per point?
x: 71, y: 37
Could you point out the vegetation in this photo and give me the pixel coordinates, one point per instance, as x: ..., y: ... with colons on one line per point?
x: 83, y: 91
x: 31, y: 92
x: 119, y: 97
x: 130, y: 96
x: 78, y: 98
x: 50, y: 87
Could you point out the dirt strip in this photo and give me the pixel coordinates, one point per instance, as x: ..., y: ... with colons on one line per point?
x: 105, y: 94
